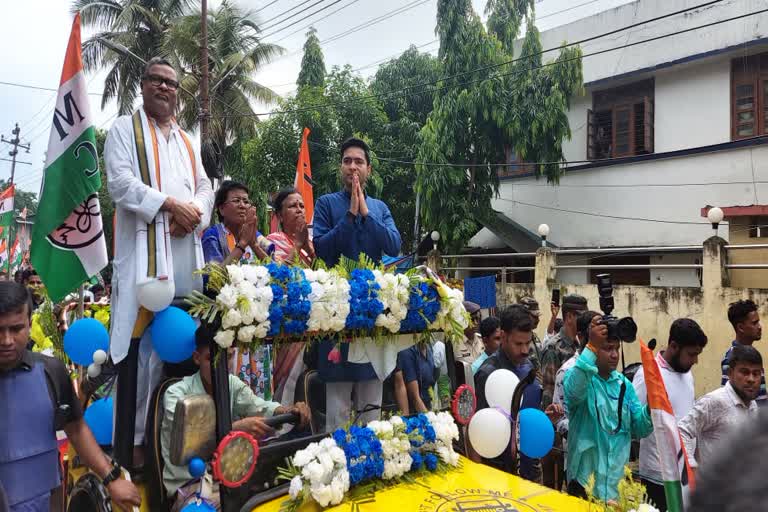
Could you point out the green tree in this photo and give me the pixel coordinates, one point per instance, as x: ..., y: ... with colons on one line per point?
x: 105, y: 200
x: 490, y: 111
x: 235, y: 53
x: 312, y: 72
x: 400, y: 137
x: 139, y: 26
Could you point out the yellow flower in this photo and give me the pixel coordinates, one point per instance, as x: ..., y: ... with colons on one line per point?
x: 102, y: 316
x: 36, y: 333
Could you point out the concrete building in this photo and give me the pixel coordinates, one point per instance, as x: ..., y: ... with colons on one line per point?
x: 663, y: 129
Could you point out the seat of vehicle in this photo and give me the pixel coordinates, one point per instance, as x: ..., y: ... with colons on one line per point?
x: 154, y: 464
x: 312, y: 391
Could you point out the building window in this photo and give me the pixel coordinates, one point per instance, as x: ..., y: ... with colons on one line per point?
x: 620, y: 122
x: 758, y: 227
x: 749, y: 96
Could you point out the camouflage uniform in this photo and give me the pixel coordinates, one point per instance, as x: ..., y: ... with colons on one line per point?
x: 559, y: 349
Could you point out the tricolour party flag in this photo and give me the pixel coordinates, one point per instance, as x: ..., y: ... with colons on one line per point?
x: 675, y: 470
x: 4, y: 255
x: 68, y: 244
x: 6, y: 206
x: 303, y: 181
x: 16, y: 254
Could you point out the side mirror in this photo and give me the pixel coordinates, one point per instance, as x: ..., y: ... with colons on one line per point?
x: 193, y: 433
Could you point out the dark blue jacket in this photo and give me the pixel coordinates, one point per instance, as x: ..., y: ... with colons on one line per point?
x: 337, y: 234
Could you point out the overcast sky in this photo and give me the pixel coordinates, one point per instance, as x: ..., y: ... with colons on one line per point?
x: 35, y: 33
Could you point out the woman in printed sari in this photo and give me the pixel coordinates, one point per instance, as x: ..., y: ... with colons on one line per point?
x: 291, y: 242
x: 293, y: 238
x: 233, y: 240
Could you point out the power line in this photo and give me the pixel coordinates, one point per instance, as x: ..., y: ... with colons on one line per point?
x: 331, y: 39
x: 38, y: 88
x: 299, y: 20
x: 264, y: 7
x: 316, y: 21
x: 549, y: 64
x: 286, y: 12
x: 602, y: 215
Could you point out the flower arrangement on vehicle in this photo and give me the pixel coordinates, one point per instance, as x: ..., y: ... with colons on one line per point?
x: 255, y: 302
x: 381, y: 453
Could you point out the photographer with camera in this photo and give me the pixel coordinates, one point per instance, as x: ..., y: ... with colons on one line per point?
x: 603, y: 409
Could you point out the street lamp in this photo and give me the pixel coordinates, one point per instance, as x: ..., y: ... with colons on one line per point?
x: 715, y: 217
x: 543, y: 233
x: 435, y: 236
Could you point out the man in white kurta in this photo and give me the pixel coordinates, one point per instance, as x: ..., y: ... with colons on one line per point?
x: 184, y: 199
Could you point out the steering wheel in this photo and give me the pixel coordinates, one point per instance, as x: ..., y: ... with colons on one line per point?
x: 291, y: 418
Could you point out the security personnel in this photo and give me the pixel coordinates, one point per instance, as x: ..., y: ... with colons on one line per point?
x: 36, y: 400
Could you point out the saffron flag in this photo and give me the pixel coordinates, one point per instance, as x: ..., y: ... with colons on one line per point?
x: 6, y: 206
x: 68, y: 244
x: 303, y: 182
x: 675, y: 470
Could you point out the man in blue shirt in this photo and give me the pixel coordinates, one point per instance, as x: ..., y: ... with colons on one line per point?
x: 418, y: 366
x: 349, y: 223
x: 512, y: 354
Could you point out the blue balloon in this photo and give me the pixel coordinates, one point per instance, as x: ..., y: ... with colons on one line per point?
x: 98, y: 416
x: 536, y: 433
x: 196, y: 467
x: 173, y: 335
x: 83, y: 338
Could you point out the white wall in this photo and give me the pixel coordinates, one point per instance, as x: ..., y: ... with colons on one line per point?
x: 675, y: 277
x: 693, y: 105
x: 624, y: 191
x: 665, y: 50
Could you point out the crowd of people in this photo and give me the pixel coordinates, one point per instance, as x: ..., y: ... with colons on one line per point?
x: 169, y: 222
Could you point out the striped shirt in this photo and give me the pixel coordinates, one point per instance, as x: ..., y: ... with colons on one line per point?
x: 762, y: 397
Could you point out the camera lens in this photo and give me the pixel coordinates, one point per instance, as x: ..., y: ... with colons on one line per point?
x: 626, y: 329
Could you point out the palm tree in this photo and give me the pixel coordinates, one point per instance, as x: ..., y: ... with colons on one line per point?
x: 235, y: 53
x: 139, y: 26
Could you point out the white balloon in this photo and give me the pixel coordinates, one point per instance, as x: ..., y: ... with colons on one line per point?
x: 157, y: 294
x: 94, y: 370
x: 489, y: 432
x: 99, y: 357
x: 500, y: 387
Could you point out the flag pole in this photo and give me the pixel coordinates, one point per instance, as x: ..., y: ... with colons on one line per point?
x: 81, y: 302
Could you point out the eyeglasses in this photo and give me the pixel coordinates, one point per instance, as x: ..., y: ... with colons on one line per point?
x: 157, y: 80
x: 237, y: 201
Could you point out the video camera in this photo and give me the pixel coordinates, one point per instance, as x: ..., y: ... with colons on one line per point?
x: 622, y: 329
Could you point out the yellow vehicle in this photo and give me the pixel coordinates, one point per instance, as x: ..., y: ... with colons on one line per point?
x: 202, y: 428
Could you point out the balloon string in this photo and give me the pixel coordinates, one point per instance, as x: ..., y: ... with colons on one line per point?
x: 505, y: 413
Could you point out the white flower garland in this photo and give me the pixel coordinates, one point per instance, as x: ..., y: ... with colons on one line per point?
x: 324, y: 473
x: 330, y: 301
x: 395, y: 446
x: 394, y: 294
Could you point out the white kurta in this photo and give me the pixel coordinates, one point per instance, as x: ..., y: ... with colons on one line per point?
x: 132, y: 198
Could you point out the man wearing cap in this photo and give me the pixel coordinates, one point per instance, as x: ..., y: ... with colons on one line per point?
x: 532, y: 305
x: 562, y: 346
x: 472, y: 346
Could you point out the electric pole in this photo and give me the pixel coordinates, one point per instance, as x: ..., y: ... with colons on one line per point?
x: 16, y: 143
x: 205, y: 102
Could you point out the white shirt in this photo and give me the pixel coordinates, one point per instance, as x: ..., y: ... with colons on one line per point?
x: 713, y: 418
x: 133, y: 198
x: 559, y: 394
x: 681, y: 392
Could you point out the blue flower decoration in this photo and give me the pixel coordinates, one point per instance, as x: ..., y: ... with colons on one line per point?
x: 430, y: 460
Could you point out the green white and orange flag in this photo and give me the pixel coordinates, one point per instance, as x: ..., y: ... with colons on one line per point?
x: 6, y: 206
x: 675, y: 469
x: 4, y: 255
x: 68, y: 244
x: 15, y: 254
